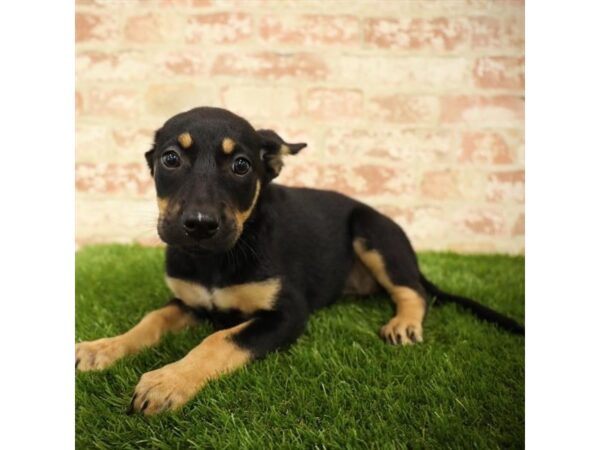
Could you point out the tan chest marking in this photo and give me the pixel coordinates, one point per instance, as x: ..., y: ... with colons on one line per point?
x: 191, y: 294
x: 247, y: 297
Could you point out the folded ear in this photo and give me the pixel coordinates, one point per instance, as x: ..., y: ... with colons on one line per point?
x: 273, y: 149
x: 149, y: 155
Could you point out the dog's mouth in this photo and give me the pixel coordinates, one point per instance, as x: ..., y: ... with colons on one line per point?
x: 172, y: 234
x: 205, y: 248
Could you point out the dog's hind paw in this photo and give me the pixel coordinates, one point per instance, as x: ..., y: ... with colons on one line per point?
x: 402, y: 331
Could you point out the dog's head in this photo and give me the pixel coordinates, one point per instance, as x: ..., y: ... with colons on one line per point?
x: 209, y: 168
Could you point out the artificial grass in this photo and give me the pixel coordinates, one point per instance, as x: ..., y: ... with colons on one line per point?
x: 340, y: 386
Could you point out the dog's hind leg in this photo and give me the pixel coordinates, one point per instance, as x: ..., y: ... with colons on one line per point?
x: 382, y: 246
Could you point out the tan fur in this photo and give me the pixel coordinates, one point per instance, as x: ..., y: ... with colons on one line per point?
x: 284, y: 150
x: 185, y: 140
x: 228, y: 145
x: 175, y: 384
x: 242, y: 216
x: 406, y: 326
x: 373, y: 260
x: 102, y: 353
x: 276, y: 160
x: 247, y: 297
x: 162, y: 205
x: 192, y: 294
x: 276, y: 163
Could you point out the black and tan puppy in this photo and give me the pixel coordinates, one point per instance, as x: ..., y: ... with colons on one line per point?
x: 256, y: 258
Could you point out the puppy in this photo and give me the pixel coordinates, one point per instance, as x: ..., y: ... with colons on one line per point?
x: 256, y: 258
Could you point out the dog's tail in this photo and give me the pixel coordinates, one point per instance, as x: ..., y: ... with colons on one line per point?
x: 479, y: 310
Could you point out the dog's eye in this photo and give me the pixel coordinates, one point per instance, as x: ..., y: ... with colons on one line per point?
x: 241, y: 166
x: 170, y: 159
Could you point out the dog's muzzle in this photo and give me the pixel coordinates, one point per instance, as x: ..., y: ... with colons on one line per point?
x: 200, y: 225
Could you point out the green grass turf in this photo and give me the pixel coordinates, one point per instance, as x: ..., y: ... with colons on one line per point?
x: 340, y: 386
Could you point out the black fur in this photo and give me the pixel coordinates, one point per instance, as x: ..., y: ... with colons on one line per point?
x: 300, y: 236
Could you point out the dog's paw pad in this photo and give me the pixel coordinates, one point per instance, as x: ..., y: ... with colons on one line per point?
x: 402, y: 331
x: 98, y: 355
x: 161, y: 390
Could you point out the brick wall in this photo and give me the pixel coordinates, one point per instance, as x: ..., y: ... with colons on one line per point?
x: 414, y: 106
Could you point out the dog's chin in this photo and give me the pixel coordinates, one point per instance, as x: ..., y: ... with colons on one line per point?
x: 206, y: 248
x: 211, y: 246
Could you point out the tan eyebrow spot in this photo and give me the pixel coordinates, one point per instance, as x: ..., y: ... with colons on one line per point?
x: 185, y: 140
x: 228, y: 145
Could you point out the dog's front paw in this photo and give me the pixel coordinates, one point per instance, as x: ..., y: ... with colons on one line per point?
x: 403, y: 331
x: 99, y: 354
x: 164, y: 389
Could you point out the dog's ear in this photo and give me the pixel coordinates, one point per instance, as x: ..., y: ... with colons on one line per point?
x: 273, y: 149
x: 149, y: 155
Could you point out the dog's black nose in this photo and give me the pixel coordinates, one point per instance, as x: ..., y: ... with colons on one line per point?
x: 200, y: 225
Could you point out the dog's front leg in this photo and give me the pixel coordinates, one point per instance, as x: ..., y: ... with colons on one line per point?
x: 175, y: 384
x: 102, y: 353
